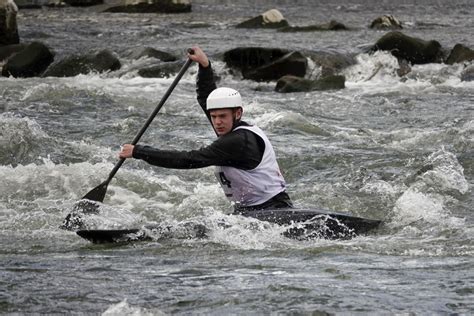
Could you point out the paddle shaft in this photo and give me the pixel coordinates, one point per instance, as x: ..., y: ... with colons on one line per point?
x: 152, y: 116
x: 98, y: 193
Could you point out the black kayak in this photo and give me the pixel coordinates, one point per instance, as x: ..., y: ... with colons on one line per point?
x: 302, y: 224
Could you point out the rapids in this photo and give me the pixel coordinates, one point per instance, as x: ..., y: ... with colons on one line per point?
x: 400, y: 150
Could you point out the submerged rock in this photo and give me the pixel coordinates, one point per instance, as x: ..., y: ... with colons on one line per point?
x: 414, y: 50
x: 331, y: 62
x: 83, y: 64
x: 297, y: 84
x: 152, y: 6
x: 468, y: 74
x: 82, y: 3
x: 459, y: 54
x: 8, y: 25
x: 386, y: 22
x: 331, y: 26
x: 403, y: 68
x: 269, y: 19
x: 29, y: 62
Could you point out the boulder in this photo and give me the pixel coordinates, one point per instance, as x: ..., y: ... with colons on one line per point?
x: 331, y: 26
x: 459, y: 54
x: 83, y: 64
x: 153, y: 53
x: 293, y: 63
x: 10, y: 50
x: 244, y: 58
x: 8, y: 26
x: 152, y: 6
x: 265, y: 64
x: 161, y: 70
x: 386, y: 22
x: 29, y: 62
x: 468, y: 74
x: 269, y: 19
x: 414, y: 50
x: 83, y: 3
x: 297, y: 84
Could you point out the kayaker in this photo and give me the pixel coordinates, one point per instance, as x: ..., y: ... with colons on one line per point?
x: 245, y: 161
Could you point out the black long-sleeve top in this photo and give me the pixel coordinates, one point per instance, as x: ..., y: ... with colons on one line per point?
x: 240, y: 148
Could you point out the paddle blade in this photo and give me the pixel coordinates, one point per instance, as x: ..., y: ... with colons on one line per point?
x: 97, y: 193
x: 87, y: 205
x: 75, y: 219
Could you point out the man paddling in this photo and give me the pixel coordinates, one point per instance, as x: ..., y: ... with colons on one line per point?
x: 245, y: 161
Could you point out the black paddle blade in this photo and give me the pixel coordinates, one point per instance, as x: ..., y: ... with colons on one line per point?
x: 97, y: 193
x: 75, y: 219
x: 87, y: 205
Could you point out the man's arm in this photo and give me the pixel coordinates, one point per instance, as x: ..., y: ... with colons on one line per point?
x: 205, y: 83
x: 239, y: 149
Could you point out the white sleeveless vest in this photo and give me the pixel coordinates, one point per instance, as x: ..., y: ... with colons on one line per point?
x: 256, y: 186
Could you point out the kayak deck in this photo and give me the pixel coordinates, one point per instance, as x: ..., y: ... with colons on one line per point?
x: 303, y: 224
x: 316, y: 223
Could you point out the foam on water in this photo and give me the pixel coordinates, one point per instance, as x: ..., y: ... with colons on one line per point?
x: 426, y: 201
x: 97, y: 85
x: 377, y: 73
x: 124, y: 308
x: 20, y: 139
x: 447, y: 175
x: 42, y: 193
x: 414, y: 205
x: 380, y: 66
x: 289, y: 120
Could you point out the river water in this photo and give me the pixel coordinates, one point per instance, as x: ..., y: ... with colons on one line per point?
x: 400, y: 150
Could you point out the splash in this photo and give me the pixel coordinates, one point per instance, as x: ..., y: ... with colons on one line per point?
x: 20, y: 139
x: 380, y: 66
x: 425, y: 200
x: 124, y: 308
x: 415, y: 206
x: 381, y: 72
x: 447, y: 174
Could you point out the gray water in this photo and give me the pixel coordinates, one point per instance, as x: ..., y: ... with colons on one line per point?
x: 358, y: 150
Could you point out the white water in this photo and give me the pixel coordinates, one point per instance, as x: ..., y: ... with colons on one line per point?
x: 396, y: 149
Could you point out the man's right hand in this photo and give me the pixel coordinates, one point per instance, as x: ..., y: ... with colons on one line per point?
x: 199, y: 56
x: 126, y: 151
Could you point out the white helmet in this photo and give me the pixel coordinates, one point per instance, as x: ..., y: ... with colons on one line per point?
x: 223, y: 98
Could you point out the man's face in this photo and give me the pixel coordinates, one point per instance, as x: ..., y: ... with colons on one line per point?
x: 223, y: 119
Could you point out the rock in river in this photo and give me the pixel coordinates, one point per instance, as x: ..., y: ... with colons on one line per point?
x: 266, y: 64
x: 8, y: 25
x: 82, y: 64
x: 29, y: 62
x: 412, y: 49
x: 152, y: 6
x: 270, y: 19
